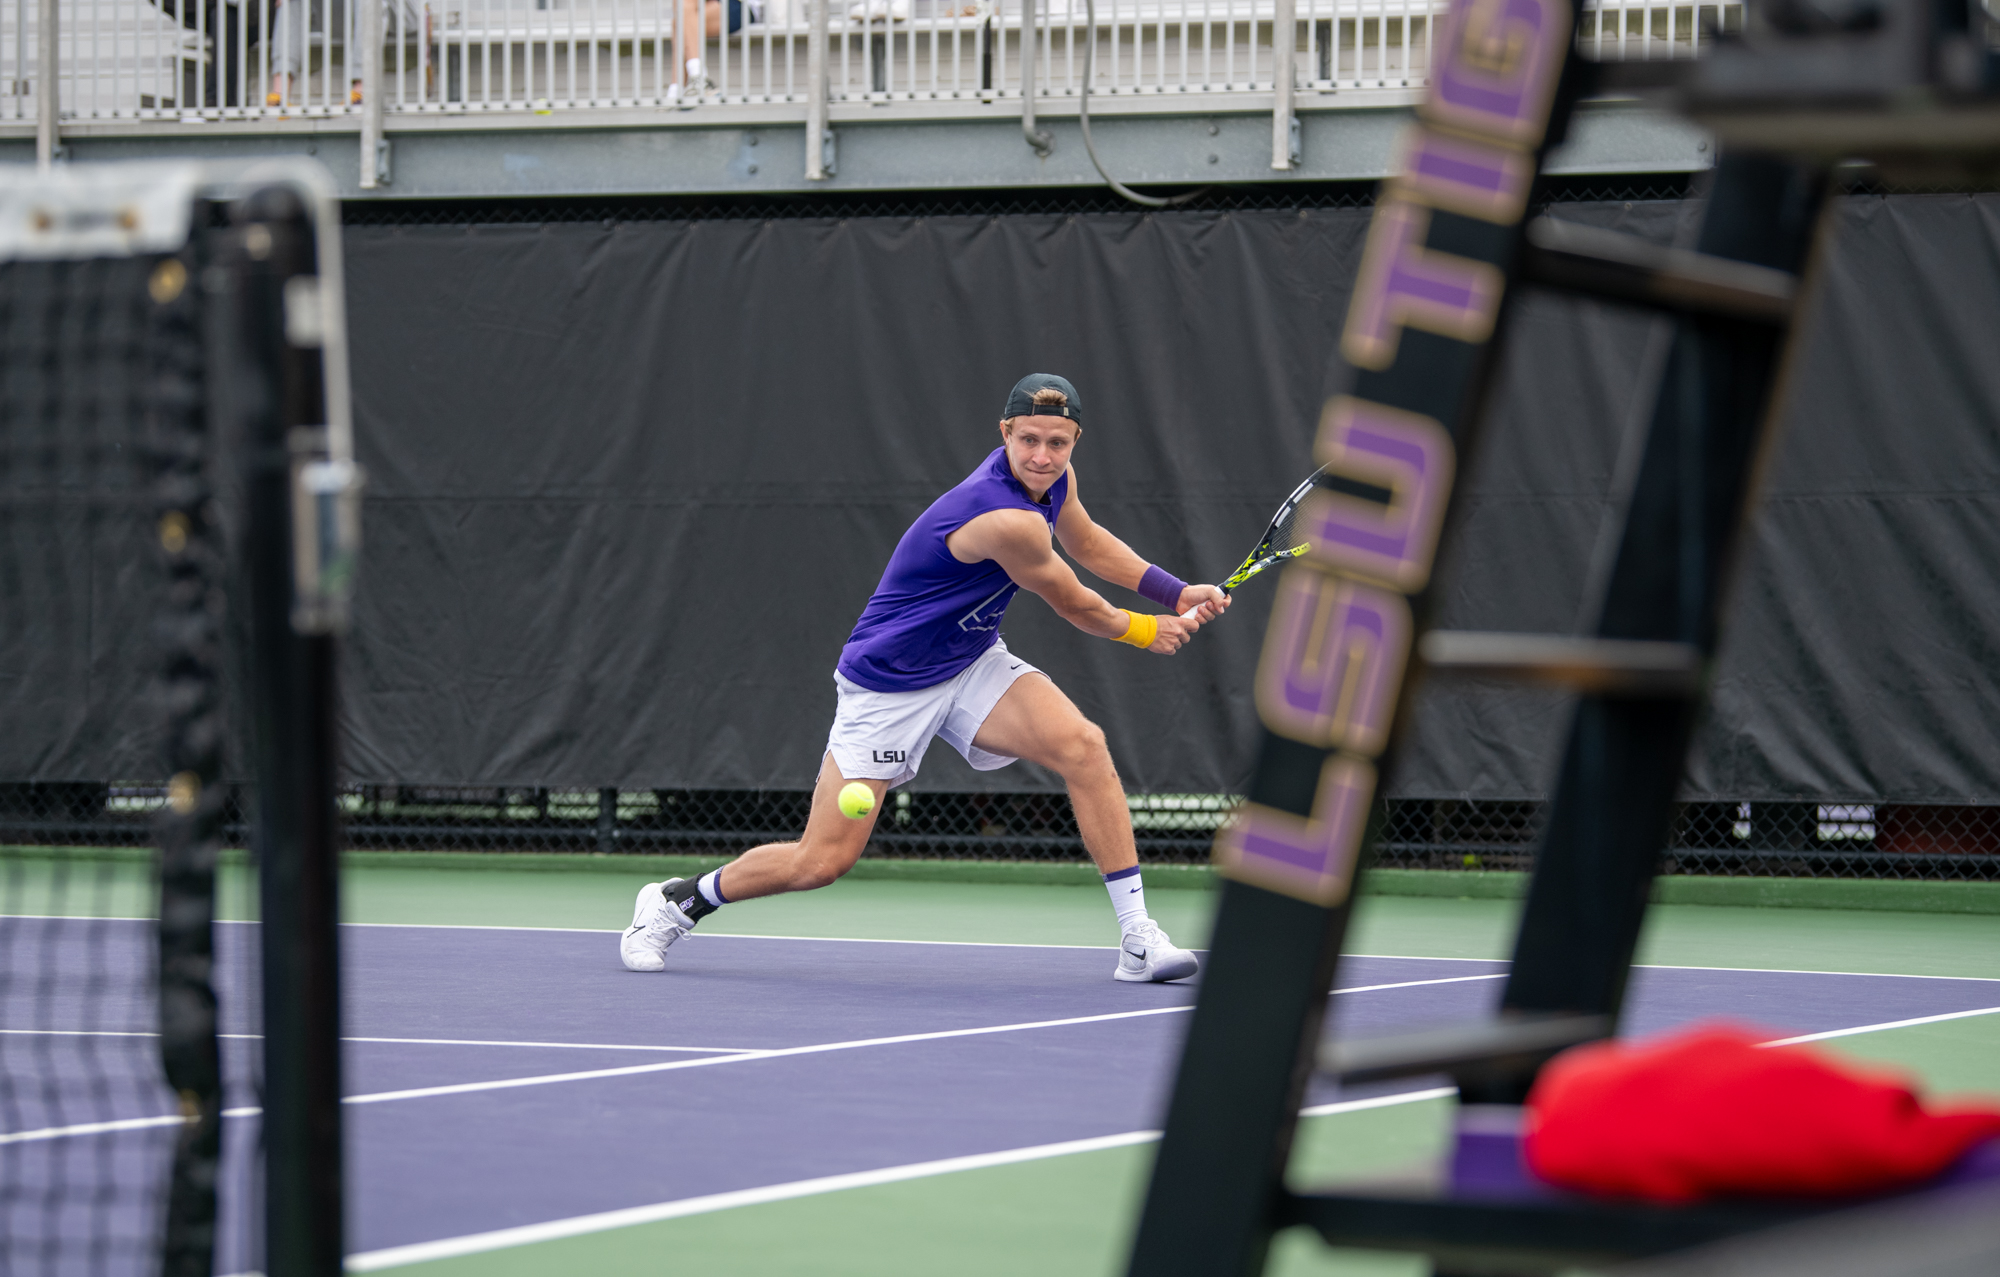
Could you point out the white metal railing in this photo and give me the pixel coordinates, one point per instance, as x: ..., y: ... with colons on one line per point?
x: 216, y: 59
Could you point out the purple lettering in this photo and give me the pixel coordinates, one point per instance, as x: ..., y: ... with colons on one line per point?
x: 1333, y: 661
x: 1403, y: 284
x: 1404, y: 452
x: 1496, y: 68
x: 1464, y: 175
x: 1311, y: 859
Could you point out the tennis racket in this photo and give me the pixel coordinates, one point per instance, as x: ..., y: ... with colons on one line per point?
x: 1276, y: 545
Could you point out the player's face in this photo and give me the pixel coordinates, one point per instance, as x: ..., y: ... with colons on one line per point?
x: 1038, y: 449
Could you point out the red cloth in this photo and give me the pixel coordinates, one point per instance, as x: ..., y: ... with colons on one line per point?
x: 1707, y: 1113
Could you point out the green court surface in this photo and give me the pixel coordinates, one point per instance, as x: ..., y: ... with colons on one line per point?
x: 1960, y: 944
x: 1068, y: 1214
x: 1057, y: 1216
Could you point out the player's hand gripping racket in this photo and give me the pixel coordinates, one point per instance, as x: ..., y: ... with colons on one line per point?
x: 1277, y: 543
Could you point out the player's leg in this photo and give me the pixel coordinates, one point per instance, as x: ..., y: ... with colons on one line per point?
x: 829, y: 848
x: 666, y: 911
x: 878, y: 739
x: 1035, y: 721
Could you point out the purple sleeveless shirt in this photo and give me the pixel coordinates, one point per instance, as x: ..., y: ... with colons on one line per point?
x: 932, y: 616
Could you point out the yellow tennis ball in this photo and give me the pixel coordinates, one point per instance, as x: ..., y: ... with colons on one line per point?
x: 856, y: 800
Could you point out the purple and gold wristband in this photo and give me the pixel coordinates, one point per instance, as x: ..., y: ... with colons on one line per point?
x: 1162, y: 587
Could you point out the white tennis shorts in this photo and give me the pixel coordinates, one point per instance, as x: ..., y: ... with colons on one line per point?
x: 883, y: 735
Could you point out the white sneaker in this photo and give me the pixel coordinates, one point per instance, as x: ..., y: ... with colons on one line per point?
x: 656, y: 923
x: 1147, y: 955
x: 877, y: 10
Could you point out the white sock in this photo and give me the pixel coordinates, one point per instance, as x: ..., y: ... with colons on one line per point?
x: 693, y: 70
x: 710, y: 886
x: 1128, y: 897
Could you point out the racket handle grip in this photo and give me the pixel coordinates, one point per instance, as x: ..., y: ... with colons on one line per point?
x: 1196, y: 608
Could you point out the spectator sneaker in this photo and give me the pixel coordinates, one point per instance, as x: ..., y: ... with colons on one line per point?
x: 878, y: 10
x: 1146, y: 954
x: 656, y: 923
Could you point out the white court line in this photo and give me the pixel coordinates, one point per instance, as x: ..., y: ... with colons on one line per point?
x: 87, y: 1128
x: 733, y: 935
x: 737, y: 1057
x: 106, y: 1128
x: 999, y: 944
x: 776, y: 1053
x: 1378, y: 1101
x: 757, y: 1052
x: 1412, y: 984
x: 476, y: 1243
x: 1668, y: 966
x: 1871, y: 975
x: 1877, y: 1028
x: 1004, y: 944
x: 258, y: 1037
x: 139, y: 1123
x: 633, y: 1070
x: 605, y: 931
x: 567, y: 1046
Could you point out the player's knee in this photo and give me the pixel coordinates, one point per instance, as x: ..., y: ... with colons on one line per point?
x: 1083, y: 747
x: 1091, y: 741
x: 816, y: 867
x: 812, y: 877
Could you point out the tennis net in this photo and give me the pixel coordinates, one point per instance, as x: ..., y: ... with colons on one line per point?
x: 154, y: 347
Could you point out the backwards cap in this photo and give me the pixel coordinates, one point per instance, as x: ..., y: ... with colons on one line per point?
x: 1021, y: 399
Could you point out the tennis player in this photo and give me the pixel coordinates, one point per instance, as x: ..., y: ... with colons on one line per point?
x: 926, y: 660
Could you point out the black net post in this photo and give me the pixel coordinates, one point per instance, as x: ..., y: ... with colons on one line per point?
x: 274, y: 395
x: 190, y: 829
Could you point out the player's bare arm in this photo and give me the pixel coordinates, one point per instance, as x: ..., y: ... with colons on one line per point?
x: 1107, y: 558
x: 1019, y: 542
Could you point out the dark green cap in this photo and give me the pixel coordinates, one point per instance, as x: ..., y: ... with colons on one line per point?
x: 1021, y: 399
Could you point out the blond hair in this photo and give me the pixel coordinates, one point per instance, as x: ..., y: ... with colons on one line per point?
x: 1048, y: 395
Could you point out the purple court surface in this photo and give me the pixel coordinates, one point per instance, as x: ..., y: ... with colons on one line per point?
x: 500, y: 1077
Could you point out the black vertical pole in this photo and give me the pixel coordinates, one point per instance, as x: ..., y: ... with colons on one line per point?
x: 1442, y: 253
x: 1613, y: 804
x: 607, y: 821
x: 276, y: 391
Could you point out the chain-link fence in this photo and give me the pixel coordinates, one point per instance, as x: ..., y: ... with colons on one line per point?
x: 614, y: 821
x: 1789, y: 839
x: 1783, y: 839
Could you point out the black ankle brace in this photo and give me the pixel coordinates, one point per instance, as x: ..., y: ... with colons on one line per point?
x: 687, y: 897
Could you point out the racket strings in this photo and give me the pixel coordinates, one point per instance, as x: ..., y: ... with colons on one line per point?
x: 1281, y: 539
